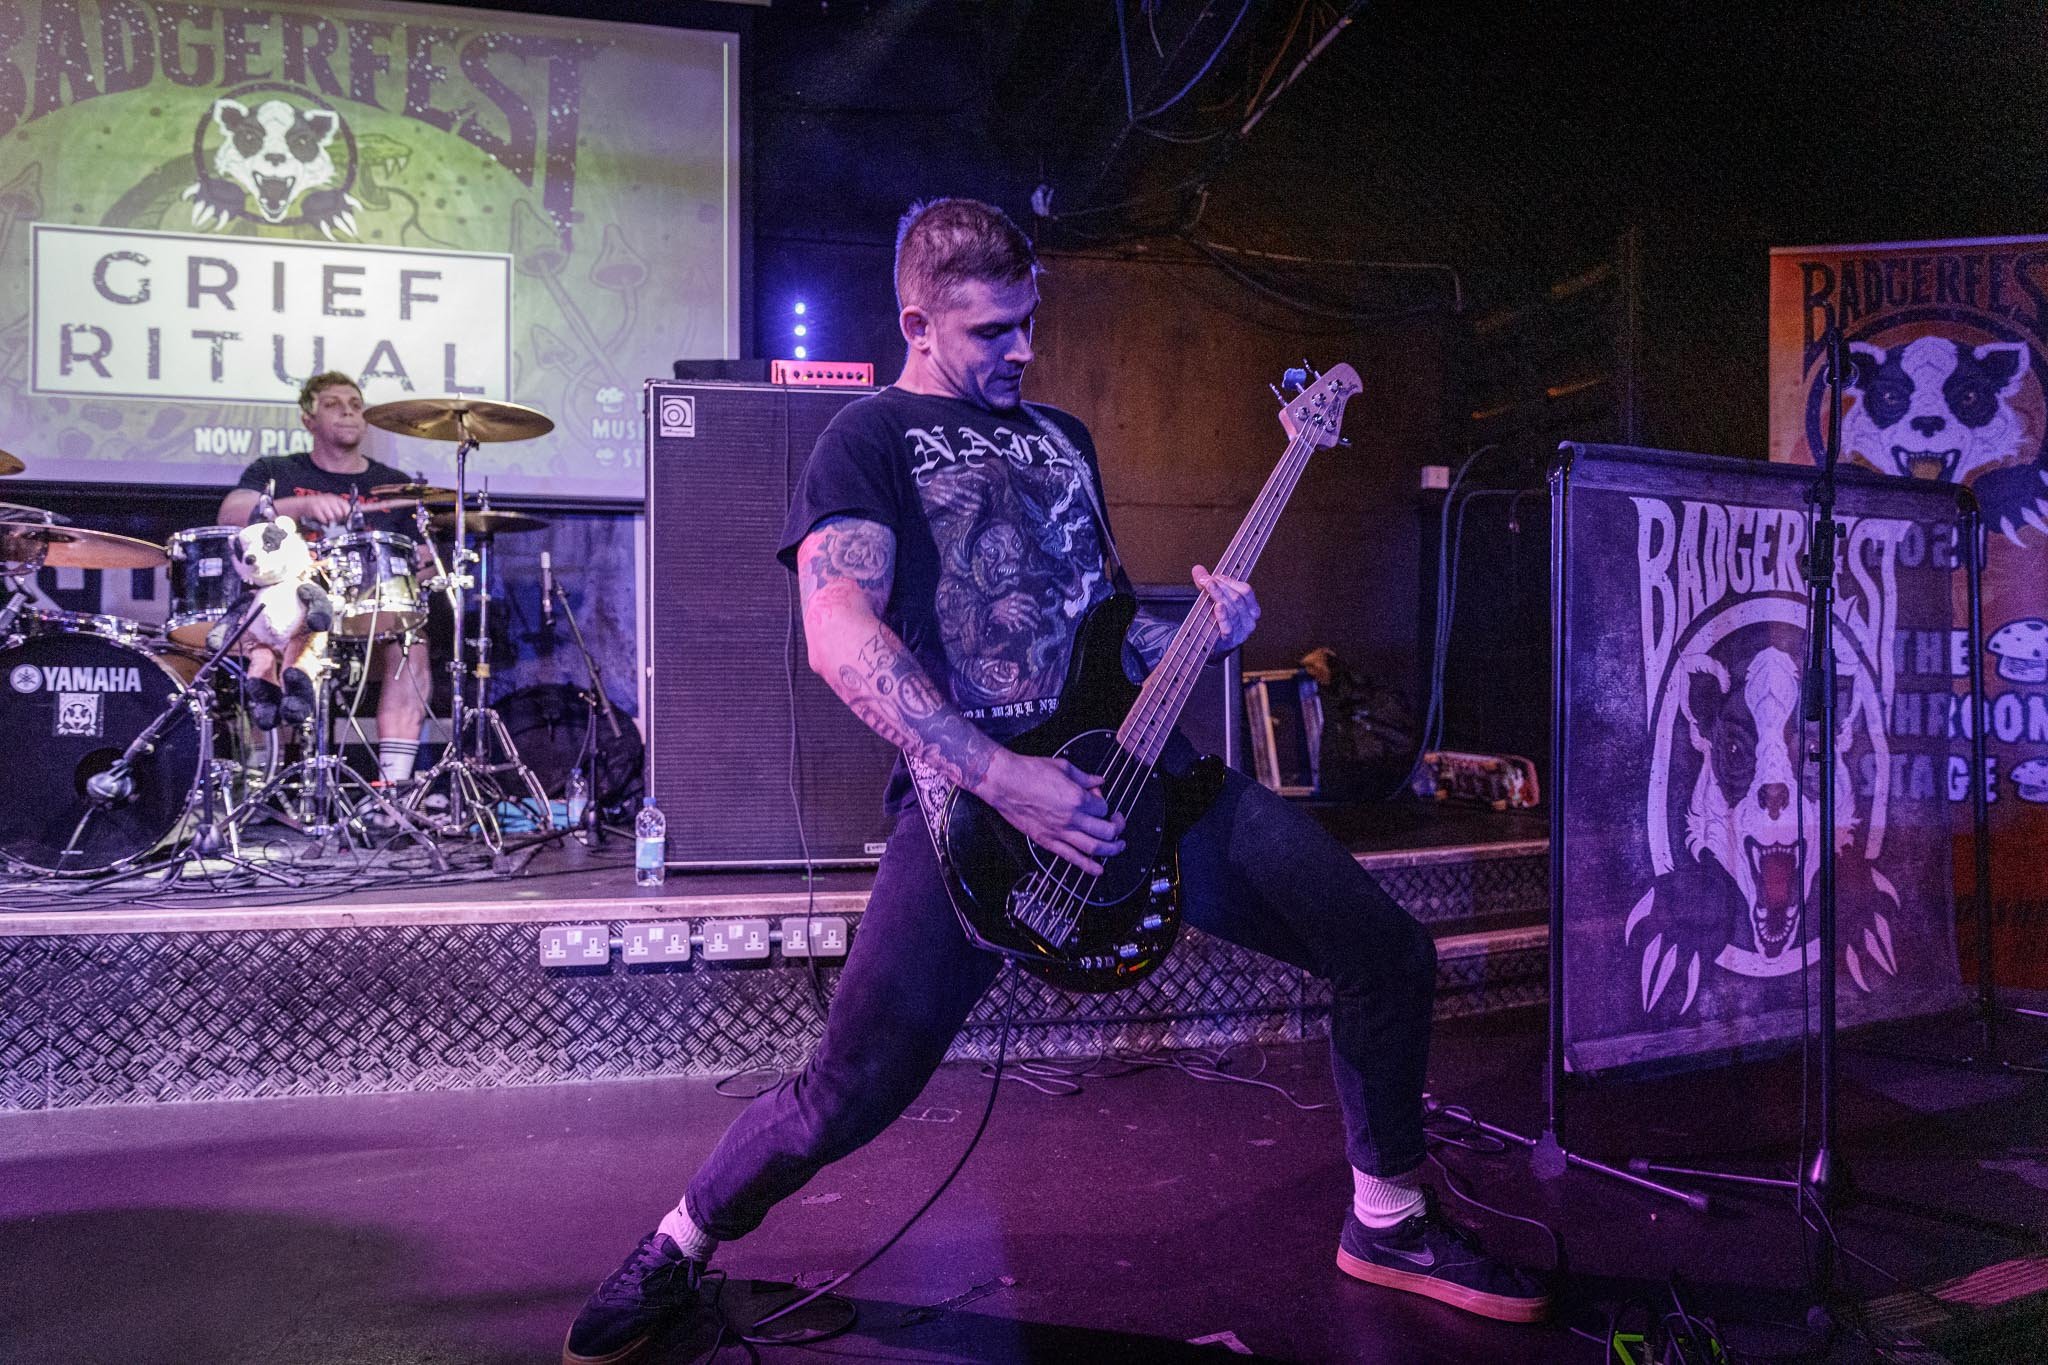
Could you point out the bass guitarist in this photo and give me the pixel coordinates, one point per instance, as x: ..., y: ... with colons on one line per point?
x: 947, y: 539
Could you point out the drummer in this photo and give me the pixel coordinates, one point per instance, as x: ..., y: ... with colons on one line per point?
x: 313, y: 488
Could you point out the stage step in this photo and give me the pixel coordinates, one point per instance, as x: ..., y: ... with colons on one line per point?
x: 213, y: 1001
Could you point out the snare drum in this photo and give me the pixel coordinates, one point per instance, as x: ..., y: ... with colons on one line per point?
x: 205, y: 588
x: 369, y: 575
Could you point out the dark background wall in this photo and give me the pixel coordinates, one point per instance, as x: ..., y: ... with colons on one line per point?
x: 1555, y: 216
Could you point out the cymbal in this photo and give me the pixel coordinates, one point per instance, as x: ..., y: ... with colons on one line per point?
x: 76, y: 547
x: 14, y: 511
x: 415, y: 492
x: 451, y: 419
x: 488, y: 521
x: 10, y: 464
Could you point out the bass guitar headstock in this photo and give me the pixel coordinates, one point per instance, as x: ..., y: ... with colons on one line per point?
x: 1317, y: 408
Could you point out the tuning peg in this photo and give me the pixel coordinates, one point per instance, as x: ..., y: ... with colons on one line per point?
x: 1295, y: 379
x: 1281, y: 397
x: 1311, y: 371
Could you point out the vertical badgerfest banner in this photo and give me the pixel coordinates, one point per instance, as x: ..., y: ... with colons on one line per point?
x: 201, y: 205
x: 1689, y: 810
x: 1950, y: 365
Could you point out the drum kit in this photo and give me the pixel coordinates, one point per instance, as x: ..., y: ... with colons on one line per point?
x: 128, y: 743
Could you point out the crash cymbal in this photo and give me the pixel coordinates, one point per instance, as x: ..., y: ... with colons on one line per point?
x: 14, y: 511
x: 76, y: 547
x: 10, y: 464
x: 488, y: 521
x: 451, y: 419
x: 416, y: 492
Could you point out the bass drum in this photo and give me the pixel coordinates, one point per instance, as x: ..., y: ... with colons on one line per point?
x: 547, y: 722
x: 71, y: 704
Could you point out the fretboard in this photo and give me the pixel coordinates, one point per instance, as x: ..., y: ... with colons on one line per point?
x: 1166, y: 692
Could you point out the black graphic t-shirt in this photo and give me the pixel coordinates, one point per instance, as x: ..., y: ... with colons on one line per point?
x: 294, y: 475
x: 997, y: 550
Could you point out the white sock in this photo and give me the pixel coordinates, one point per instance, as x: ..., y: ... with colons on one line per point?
x: 695, y: 1242
x: 1381, y: 1201
x: 395, y: 758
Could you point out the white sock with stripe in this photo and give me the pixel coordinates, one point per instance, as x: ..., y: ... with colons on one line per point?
x: 1382, y: 1201
x: 395, y: 758
x: 695, y: 1242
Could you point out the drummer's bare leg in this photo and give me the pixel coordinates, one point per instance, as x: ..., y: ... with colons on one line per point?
x: 401, y: 706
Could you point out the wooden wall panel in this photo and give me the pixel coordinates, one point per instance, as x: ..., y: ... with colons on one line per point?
x: 1168, y: 362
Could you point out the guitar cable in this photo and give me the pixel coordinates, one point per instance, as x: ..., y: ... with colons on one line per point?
x: 1006, y: 978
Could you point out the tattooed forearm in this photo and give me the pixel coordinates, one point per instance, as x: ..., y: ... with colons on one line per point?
x: 1146, y: 641
x: 895, y: 698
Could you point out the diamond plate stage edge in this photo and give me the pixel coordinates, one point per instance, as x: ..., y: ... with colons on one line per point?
x: 135, y: 1008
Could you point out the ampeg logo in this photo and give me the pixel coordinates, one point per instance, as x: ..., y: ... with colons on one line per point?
x: 677, y: 415
x: 25, y: 678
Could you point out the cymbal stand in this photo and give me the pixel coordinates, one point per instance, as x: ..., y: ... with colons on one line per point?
x: 472, y: 774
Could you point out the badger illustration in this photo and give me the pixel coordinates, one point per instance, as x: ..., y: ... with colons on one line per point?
x: 1746, y: 888
x: 274, y: 157
x: 1933, y: 408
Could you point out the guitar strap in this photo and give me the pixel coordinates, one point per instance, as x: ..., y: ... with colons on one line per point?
x: 1113, y: 560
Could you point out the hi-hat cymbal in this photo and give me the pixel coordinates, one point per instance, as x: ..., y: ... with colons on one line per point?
x: 488, y: 521
x: 75, y: 547
x: 10, y: 464
x: 453, y: 419
x: 414, y: 492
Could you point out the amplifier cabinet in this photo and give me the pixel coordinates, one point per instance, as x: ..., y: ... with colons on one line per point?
x: 750, y: 756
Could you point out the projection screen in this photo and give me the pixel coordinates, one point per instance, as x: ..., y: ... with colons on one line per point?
x: 202, y: 205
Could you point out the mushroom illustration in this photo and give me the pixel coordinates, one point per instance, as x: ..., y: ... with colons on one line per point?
x: 2030, y: 780
x: 2022, y: 650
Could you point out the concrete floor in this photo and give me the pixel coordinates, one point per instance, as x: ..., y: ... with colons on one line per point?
x: 1147, y: 1210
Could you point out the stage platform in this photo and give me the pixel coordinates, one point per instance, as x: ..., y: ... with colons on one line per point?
x: 381, y: 975
x: 1120, y: 1216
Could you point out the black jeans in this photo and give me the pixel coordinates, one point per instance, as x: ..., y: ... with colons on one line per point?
x: 1255, y: 870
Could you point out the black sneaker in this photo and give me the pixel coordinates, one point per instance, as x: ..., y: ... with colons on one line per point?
x: 1426, y: 1253
x: 656, y: 1288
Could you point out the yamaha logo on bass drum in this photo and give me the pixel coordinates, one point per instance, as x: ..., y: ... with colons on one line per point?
x: 32, y: 678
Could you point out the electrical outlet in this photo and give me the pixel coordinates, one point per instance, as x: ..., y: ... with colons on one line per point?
x: 575, y: 945
x: 794, y: 943
x: 735, y: 939
x: 828, y: 936
x: 658, y: 942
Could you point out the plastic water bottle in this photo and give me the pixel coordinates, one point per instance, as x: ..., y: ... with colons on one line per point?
x: 578, y: 804
x: 650, y: 844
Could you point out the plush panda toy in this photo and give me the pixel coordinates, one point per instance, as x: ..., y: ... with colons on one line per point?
x: 292, y: 616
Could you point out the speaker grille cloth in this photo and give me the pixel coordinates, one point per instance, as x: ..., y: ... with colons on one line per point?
x: 726, y: 642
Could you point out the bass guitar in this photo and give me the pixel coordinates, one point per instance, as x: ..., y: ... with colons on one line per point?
x: 1088, y: 932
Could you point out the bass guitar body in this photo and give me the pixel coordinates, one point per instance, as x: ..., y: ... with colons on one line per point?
x: 1076, y: 930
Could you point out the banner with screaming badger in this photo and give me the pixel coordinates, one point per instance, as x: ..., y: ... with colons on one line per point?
x: 1690, y: 811
x: 1950, y: 364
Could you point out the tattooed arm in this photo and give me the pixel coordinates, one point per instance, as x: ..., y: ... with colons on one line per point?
x: 845, y: 568
x: 1233, y: 603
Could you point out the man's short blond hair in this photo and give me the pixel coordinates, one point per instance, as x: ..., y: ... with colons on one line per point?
x: 941, y: 244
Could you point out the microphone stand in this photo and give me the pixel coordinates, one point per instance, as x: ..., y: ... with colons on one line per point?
x: 600, y: 704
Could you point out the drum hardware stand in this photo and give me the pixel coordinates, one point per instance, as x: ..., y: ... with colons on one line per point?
x: 331, y: 794
x: 474, y: 792
x: 597, y: 702
x: 212, y: 836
